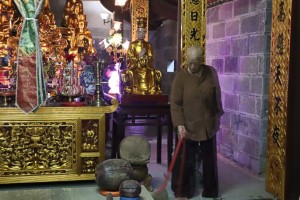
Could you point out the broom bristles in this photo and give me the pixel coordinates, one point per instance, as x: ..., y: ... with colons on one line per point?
x: 164, y: 184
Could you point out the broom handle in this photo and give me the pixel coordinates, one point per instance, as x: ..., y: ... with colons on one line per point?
x: 164, y: 184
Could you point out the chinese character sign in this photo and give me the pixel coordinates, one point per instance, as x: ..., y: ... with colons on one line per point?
x: 193, y: 25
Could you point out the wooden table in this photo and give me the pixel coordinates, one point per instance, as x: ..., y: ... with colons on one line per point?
x: 143, y: 115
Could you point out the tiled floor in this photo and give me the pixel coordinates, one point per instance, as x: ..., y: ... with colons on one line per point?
x: 235, y: 184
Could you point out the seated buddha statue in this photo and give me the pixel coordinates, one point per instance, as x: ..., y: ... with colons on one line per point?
x: 83, y: 35
x: 140, y: 77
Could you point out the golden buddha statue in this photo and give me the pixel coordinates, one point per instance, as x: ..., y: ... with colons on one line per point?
x: 140, y: 77
x: 84, y: 36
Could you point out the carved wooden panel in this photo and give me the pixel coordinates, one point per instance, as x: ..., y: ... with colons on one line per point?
x: 31, y: 148
x: 52, y: 144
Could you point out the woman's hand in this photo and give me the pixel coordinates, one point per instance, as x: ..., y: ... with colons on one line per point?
x: 181, y: 131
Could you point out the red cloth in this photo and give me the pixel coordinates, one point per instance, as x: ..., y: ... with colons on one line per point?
x: 27, y: 87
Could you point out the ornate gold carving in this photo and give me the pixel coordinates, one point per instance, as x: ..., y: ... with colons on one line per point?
x: 90, y: 136
x: 193, y: 25
x: 55, y: 133
x: 281, y: 14
x: 139, y: 8
x: 37, y: 147
x: 276, y: 177
x: 89, y: 165
x: 280, y: 50
x: 6, y: 19
x: 50, y: 36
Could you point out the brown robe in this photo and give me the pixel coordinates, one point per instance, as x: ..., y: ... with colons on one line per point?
x: 196, y: 103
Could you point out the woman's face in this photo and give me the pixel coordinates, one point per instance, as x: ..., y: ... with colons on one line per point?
x: 194, y: 59
x: 194, y: 66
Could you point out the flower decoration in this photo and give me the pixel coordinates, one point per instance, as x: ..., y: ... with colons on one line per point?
x: 114, y: 46
x: 115, y: 40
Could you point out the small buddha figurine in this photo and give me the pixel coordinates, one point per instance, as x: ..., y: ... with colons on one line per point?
x: 76, y: 31
x: 141, y: 77
x: 84, y: 36
x: 72, y: 7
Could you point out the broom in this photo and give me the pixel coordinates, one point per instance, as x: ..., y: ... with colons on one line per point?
x: 160, y: 193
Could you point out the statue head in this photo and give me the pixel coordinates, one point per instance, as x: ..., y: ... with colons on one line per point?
x: 141, y: 28
x: 141, y: 33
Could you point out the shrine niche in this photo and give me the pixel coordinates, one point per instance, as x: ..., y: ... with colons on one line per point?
x: 140, y: 80
x: 140, y: 77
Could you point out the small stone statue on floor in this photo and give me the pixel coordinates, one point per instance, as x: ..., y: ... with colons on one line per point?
x: 137, y: 151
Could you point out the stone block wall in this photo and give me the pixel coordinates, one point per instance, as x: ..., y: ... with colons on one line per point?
x: 238, y: 46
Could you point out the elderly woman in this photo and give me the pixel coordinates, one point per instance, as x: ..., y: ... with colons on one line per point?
x: 196, y: 108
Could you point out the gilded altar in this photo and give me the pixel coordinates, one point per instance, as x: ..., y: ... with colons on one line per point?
x: 53, y: 144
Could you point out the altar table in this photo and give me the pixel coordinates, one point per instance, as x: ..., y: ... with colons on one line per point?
x: 52, y: 144
x: 151, y: 114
